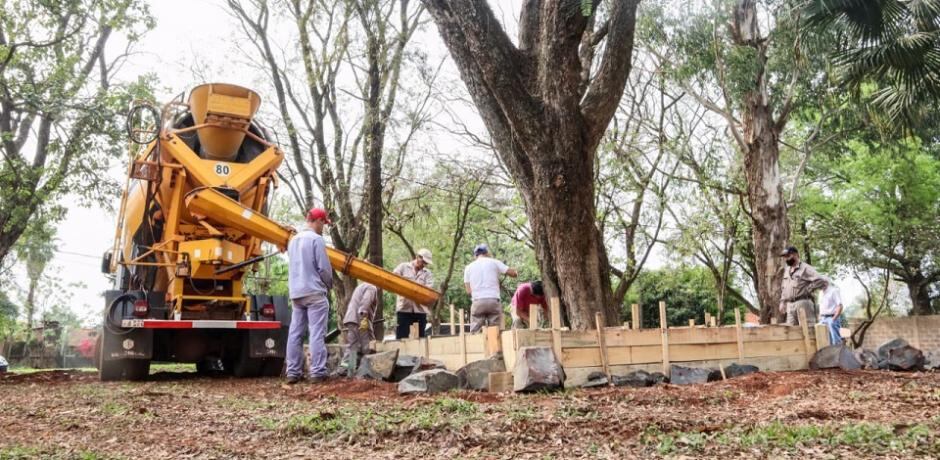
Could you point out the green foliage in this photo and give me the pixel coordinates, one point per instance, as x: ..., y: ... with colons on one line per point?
x: 892, y: 42
x: 688, y: 292
x: 880, y: 209
x: 61, y: 114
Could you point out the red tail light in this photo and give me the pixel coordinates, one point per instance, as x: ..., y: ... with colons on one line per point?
x: 267, y: 310
x: 141, y: 308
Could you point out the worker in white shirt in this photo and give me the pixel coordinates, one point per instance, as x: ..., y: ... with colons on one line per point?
x: 830, y: 309
x: 481, y: 280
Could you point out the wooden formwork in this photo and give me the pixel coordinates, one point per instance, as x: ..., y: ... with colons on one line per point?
x: 619, y: 350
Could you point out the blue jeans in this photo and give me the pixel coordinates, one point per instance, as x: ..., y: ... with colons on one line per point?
x: 310, y: 314
x: 833, y: 324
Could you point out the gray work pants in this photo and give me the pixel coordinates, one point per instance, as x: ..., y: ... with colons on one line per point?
x: 793, y: 315
x: 310, y: 314
x: 484, y: 312
x: 357, y: 341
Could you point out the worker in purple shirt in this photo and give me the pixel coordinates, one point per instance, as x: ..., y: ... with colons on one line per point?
x: 309, y: 281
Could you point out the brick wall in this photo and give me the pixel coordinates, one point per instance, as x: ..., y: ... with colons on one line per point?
x: 920, y: 331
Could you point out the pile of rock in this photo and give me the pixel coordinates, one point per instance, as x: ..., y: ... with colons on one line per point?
x: 894, y: 355
x: 680, y: 375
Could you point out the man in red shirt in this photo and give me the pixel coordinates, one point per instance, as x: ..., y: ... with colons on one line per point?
x: 527, y: 294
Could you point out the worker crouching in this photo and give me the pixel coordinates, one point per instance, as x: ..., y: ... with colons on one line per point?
x: 358, y: 324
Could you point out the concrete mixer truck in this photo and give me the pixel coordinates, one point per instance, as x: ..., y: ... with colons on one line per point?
x: 192, y: 220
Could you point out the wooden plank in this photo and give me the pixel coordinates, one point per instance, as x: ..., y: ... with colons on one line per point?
x: 636, y: 316
x: 493, y: 344
x: 533, y: 316
x: 770, y: 333
x: 737, y: 332
x: 500, y: 382
x: 822, y: 336
x: 805, y: 328
x: 509, y: 347
x: 616, y: 356
x: 556, y: 327
x: 463, y: 340
x: 453, y: 328
x: 664, y: 327
x: 601, y: 344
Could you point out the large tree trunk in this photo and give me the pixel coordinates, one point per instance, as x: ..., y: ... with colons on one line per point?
x: 919, y: 290
x: 546, y: 116
x: 759, y: 142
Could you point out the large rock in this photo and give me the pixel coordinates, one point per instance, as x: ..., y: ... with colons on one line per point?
x: 406, y: 365
x: 884, y: 351
x: 635, y: 379
x: 537, y: 369
x: 932, y: 360
x: 378, y: 366
x: 658, y: 378
x: 595, y: 379
x: 868, y: 358
x: 835, y: 356
x: 429, y: 382
x: 906, y: 358
x: 737, y: 370
x: 476, y: 375
x: 681, y: 375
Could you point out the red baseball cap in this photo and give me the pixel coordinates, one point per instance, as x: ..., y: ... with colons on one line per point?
x: 318, y: 213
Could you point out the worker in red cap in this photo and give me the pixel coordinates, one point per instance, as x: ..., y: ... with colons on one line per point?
x: 310, y: 279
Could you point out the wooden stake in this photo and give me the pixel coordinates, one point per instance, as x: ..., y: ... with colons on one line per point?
x: 801, y: 313
x: 635, y: 313
x: 692, y: 322
x: 773, y: 320
x: 453, y: 327
x: 626, y: 325
x: 534, y: 316
x: 493, y: 344
x: 739, y: 333
x: 664, y: 328
x: 556, y: 327
x: 822, y: 336
x: 714, y: 322
x: 602, y: 343
x: 708, y: 319
x: 413, y: 332
x: 463, y: 339
x: 427, y: 347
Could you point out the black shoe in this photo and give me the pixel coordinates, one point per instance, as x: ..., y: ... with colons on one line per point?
x: 319, y: 379
x: 292, y: 380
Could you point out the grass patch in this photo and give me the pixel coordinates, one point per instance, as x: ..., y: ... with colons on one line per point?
x: 869, y: 437
x: 23, y: 453
x: 442, y: 414
x: 172, y: 367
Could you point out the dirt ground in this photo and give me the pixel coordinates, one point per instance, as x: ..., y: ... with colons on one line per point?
x: 821, y: 414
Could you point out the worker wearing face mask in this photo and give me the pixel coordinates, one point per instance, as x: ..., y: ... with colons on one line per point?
x: 800, y: 281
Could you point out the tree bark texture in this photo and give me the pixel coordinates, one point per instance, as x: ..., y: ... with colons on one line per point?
x: 768, y: 210
x: 546, y: 123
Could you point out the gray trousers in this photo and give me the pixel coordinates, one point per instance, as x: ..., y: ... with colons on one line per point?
x: 793, y: 315
x: 484, y: 312
x: 356, y: 341
x: 309, y: 315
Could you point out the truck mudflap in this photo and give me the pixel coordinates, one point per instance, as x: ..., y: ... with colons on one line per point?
x: 267, y: 343
x: 129, y: 344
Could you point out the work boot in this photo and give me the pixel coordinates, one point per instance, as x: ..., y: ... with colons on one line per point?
x: 293, y: 379
x: 317, y: 379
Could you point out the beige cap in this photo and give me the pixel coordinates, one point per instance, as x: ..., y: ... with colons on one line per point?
x: 425, y: 255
